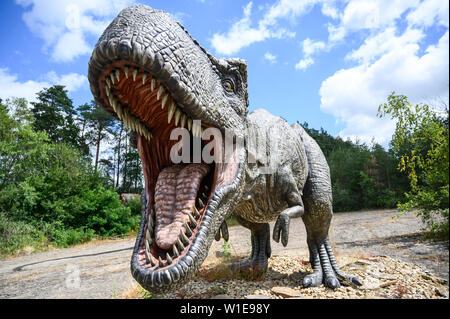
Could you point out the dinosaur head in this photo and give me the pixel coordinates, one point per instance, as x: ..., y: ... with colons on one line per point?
x: 148, y: 72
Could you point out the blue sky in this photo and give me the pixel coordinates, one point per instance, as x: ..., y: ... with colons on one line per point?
x: 329, y: 63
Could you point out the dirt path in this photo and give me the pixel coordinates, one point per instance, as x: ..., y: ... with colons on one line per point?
x: 102, y: 270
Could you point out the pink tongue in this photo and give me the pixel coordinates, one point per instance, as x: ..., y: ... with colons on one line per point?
x: 175, y: 193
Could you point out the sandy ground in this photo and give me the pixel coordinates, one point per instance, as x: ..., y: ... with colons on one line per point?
x: 102, y: 270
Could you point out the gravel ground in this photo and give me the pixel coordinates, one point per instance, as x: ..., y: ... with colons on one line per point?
x: 102, y: 269
x: 383, y: 277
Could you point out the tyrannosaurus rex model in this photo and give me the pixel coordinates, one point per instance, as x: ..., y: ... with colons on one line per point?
x: 147, y: 71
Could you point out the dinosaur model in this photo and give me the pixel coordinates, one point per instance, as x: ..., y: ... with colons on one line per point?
x: 147, y: 71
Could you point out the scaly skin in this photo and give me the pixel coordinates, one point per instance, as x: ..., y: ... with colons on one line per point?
x: 296, y: 184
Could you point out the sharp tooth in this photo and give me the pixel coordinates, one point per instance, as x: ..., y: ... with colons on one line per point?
x: 153, y: 84
x: 135, y: 71
x: 172, y: 108
x: 177, y: 117
x: 107, y: 91
x: 160, y: 91
x: 183, y: 120
x: 125, y: 70
x: 201, y: 203
x: 110, y: 98
x: 108, y: 82
x: 114, y: 104
x: 189, y: 123
x: 148, y: 134
x: 148, y: 258
x: 164, y: 100
x: 148, y: 236
x: 188, y: 230
x: 128, y: 121
x: 118, y: 75
x: 147, y: 246
x: 175, y: 251
x: 119, y: 110
x: 161, y: 263
x: 150, y: 222
x: 112, y: 77
x: 144, y: 77
x: 196, y: 213
x: 183, y: 238
x: 169, y: 259
x: 192, y: 220
x: 180, y: 244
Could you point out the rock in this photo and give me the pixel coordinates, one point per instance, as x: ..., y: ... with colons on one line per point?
x: 221, y: 297
x: 286, y: 292
x: 440, y: 293
x: 371, y: 286
x: 427, y: 277
x: 257, y: 297
x: 387, y: 284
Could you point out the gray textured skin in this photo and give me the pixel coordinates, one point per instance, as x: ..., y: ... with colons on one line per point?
x: 298, y: 186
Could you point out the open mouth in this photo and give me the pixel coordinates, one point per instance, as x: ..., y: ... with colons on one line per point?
x: 180, y: 198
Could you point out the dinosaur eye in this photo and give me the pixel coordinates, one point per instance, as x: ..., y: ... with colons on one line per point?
x: 228, y: 86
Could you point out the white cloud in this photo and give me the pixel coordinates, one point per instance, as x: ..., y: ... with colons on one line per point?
x: 69, y: 29
x: 384, y: 42
x: 368, y: 15
x: 72, y: 81
x: 329, y: 10
x: 310, y: 48
x: 303, y: 64
x: 353, y: 95
x: 270, y: 57
x: 11, y: 87
x: 242, y: 34
x: 429, y: 12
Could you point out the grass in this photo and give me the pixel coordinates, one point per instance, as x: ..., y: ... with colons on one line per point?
x: 19, y: 238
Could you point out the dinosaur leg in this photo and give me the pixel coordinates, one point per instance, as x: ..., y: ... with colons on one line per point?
x: 317, y: 220
x: 257, y: 263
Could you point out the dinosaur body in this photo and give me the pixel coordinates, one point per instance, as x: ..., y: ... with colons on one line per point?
x: 148, y: 72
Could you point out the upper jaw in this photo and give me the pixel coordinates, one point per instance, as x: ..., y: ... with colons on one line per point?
x: 154, y: 43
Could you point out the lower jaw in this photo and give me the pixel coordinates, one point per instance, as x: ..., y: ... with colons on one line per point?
x: 182, y: 269
x: 162, y: 279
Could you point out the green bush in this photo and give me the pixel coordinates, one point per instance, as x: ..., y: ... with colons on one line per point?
x: 135, y: 206
x: 50, y: 194
x: 15, y: 235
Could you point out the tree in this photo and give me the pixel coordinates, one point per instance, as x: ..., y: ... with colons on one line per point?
x: 421, y: 141
x: 100, y: 124
x: 54, y: 113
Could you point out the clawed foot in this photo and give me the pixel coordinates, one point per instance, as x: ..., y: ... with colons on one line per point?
x: 325, y: 268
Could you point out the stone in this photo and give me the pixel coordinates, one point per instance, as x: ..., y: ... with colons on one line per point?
x: 222, y: 297
x: 257, y: 297
x: 387, y: 284
x: 286, y: 292
x: 440, y: 293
